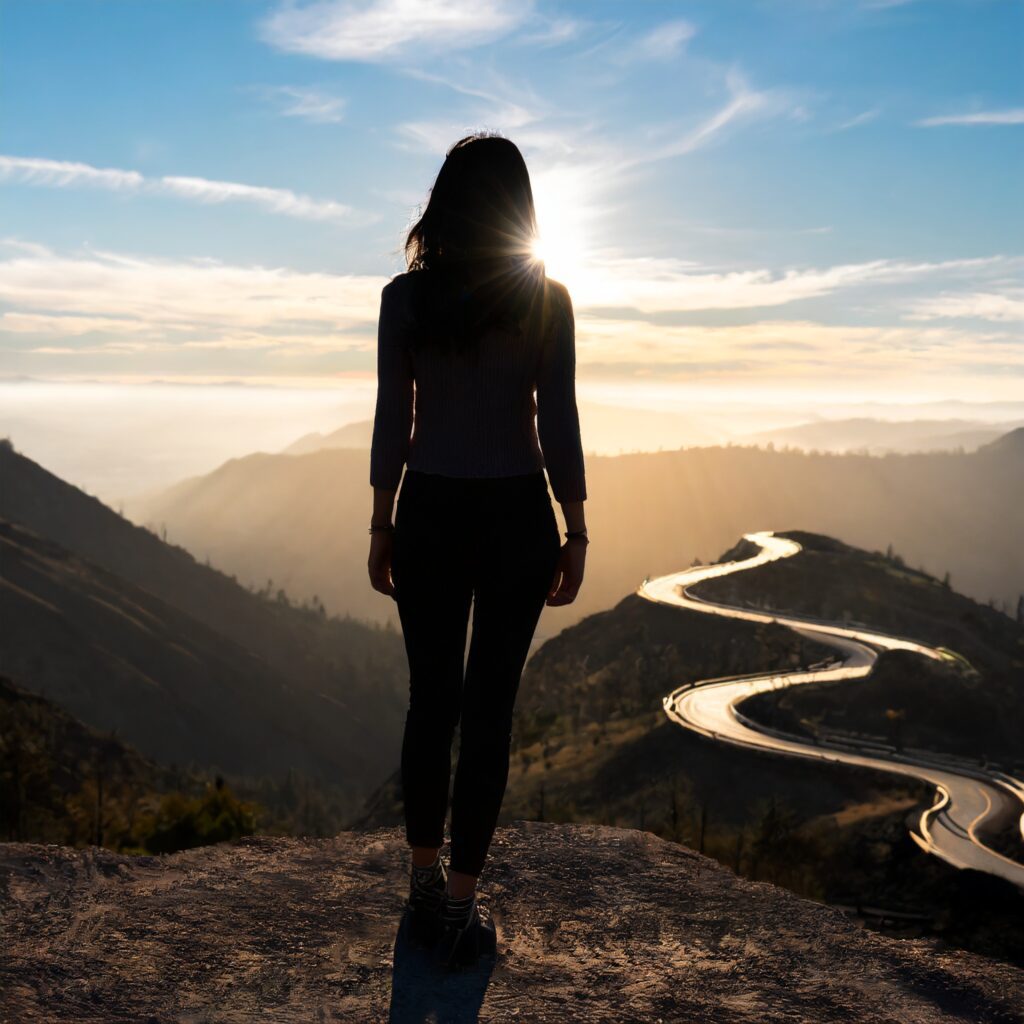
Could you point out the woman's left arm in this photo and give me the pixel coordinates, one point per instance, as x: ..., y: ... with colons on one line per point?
x: 558, y: 421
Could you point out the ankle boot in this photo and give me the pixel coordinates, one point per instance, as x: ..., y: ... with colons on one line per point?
x: 465, y: 934
x: 427, y: 890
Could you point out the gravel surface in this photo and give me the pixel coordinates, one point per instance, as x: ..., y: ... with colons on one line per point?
x: 594, y: 924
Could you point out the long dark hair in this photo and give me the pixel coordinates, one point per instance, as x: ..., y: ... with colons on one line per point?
x: 475, y: 239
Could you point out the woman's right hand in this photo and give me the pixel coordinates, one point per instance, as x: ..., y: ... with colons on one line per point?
x: 568, y: 573
x: 379, y: 563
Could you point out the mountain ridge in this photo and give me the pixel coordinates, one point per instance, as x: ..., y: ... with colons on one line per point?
x: 162, y: 622
x: 301, y: 518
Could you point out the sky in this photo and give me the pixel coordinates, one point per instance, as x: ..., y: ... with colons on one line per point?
x: 761, y: 199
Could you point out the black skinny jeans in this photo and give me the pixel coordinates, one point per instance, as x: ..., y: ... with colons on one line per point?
x: 493, y: 543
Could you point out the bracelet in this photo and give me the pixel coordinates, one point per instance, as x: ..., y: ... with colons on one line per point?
x: 577, y: 535
x: 388, y: 528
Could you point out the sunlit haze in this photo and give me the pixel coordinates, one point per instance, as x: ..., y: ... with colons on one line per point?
x: 789, y: 208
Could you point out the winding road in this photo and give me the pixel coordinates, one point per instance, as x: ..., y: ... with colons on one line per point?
x: 969, y: 802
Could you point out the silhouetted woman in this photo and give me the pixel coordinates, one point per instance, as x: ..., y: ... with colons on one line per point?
x: 465, y: 338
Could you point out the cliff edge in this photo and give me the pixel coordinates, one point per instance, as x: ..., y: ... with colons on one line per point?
x: 594, y: 924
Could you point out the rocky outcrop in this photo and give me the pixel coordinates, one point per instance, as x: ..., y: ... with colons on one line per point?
x: 594, y: 924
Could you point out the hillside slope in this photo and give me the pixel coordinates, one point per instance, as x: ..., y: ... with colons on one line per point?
x: 120, y: 659
x: 34, y: 497
x: 131, y: 633
x: 53, y: 768
x: 594, y: 924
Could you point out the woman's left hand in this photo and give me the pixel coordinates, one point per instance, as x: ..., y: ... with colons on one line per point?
x: 379, y: 563
x: 568, y: 575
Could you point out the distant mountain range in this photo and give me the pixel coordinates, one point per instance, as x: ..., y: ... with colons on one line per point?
x: 881, y: 437
x: 301, y: 519
x: 614, y: 430
x: 352, y: 435
x: 130, y: 633
x: 607, y: 429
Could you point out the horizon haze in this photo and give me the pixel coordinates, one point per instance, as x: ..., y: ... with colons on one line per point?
x: 763, y: 205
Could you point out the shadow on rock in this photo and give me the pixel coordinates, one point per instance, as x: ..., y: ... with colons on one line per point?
x: 423, y: 990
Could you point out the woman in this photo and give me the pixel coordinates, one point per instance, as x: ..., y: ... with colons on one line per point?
x: 465, y: 337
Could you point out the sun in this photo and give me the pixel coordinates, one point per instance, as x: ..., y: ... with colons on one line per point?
x: 557, y: 252
x: 561, y: 242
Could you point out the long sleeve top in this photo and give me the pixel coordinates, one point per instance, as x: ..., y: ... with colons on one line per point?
x: 506, y: 407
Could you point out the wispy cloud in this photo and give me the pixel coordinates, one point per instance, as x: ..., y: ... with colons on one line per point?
x: 1014, y: 116
x: 171, y: 302
x: 663, y: 42
x: 29, y: 170
x: 38, y: 171
x: 552, y: 32
x: 277, y: 200
x: 380, y: 30
x: 864, y: 117
x: 651, y: 285
x: 73, y: 294
x: 501, y: 105
x: 810, y: 350
x: 1006, y: 306
x: 120, y: 306
x: 743, y: 103
x: 305, y: 103
x: 499, y: 93
x: 501, y: 102
x: 67, y: 325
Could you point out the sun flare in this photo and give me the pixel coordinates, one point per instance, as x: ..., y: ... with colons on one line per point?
x: 561, y: 242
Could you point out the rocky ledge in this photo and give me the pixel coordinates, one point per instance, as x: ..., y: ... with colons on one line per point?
x: 593, y: 924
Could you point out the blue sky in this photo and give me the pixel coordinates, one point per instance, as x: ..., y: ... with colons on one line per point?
x: 775, y: 196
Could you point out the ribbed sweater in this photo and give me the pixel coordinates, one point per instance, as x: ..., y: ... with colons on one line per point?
x: 475, y: 414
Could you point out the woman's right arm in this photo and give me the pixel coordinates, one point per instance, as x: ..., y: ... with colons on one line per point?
x: 392, y: 427
x: 393, y: 416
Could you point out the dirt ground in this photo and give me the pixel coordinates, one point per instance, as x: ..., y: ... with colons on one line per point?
x: 593, y: 923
